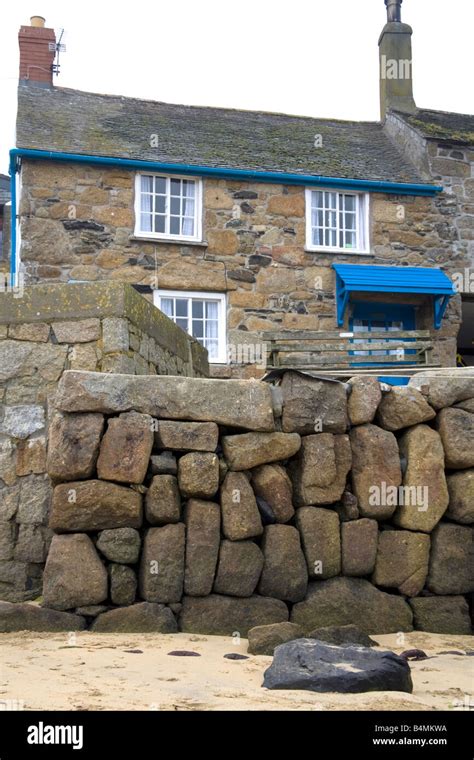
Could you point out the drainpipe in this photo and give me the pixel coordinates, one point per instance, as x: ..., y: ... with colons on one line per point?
x: 13, y: 170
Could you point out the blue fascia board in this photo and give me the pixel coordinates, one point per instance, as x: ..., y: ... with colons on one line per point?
x: 373, y: 186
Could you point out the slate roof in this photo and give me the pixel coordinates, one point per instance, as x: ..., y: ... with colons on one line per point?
x: 72, y: 121
x: 442, y: 125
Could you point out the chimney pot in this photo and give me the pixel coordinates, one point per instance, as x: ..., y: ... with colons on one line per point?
x: 38, y: 21
x: 395, y: 55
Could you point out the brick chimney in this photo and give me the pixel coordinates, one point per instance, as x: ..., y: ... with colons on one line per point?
x: 36, y: 57
x: 396, y: 82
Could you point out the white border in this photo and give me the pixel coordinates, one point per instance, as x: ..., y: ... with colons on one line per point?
x: 197, y: 237
x: 208, y: 296
x: 329, y: 249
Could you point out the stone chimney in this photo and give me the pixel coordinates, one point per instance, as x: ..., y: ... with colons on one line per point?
x: 396, y: 83
x: 37, y: 53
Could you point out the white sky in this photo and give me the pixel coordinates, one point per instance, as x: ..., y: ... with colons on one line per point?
x: 316, y: 58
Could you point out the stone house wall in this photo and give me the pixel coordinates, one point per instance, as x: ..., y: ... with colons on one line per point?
x: 213, y: 506
x: 77, y: 224
x: 451, y: 165
x: 47, y: 329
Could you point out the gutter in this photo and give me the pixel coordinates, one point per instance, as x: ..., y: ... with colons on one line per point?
x: 308, y: 180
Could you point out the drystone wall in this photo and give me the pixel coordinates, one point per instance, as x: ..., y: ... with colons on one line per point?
x: 45, y: 330
x: 214, y: 506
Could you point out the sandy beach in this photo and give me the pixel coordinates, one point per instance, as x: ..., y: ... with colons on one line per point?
x: 86, y: 671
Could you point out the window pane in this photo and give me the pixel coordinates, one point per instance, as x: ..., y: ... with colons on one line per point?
x: 183, y: 323
x: 331, y: 200
x: 175, y: 206
x: 160, y: 204
x: 198, y: 328
x: 160, y: 185
x: 350, y: 240
x: 167, y: 306
x: 317, y: 199
x: 198, y: 309
x: 175, y: 226
x: 211, y: 310
x: 160, y: 222
x: 175, y: 187
x: 181, y: 307
x: 188, y: 227
x: 146, y: 184
x: 188, y: 188
x: 188, y: 207
x: 212, y: 347
x: 349, y: 221
x: 349, y: 202
x: 145, y: 222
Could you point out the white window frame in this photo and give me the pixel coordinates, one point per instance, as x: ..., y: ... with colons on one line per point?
x: 221, y: 314
x: 197, y: 237
x: 362, y: 215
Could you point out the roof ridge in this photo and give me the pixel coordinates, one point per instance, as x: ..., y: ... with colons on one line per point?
x: 129, y: 98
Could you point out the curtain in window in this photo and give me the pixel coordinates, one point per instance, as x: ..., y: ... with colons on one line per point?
x: 212, y: 334
x: 166, y: 306
x: 146, y: 209
x: 188, y: 207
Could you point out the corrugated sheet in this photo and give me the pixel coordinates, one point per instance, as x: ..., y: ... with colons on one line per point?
x: 379, y: 279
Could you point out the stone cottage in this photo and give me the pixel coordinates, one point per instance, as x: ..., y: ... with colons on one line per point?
x: 240, y: 224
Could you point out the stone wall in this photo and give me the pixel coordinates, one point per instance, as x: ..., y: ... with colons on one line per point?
x: 45, y: 330
x: 77, y: 222
x: 214, y: 506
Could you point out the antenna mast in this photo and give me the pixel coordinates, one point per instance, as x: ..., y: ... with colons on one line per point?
x: 58, y: 48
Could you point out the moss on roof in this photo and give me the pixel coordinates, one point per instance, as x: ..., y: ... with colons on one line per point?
x: 72, y: 121
x: 442, y: 125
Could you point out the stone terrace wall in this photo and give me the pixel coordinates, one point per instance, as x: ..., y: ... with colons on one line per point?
x: 107, y: 327
x: 214, y: 506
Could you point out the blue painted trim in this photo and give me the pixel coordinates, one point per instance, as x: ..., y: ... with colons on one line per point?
x: 379, y: 279
x: 13, y: 222
x: 394, y: 380
x: 439, y: 307
x: 392, y: 313
x: 397, y: 188
x: 342, y: 298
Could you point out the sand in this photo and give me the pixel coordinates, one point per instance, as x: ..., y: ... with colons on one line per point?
x: 87, y: 671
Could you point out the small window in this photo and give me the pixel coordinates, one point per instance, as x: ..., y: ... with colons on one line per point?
x: 336, y: 221
x: 202, y: 315
x: 167, y: 207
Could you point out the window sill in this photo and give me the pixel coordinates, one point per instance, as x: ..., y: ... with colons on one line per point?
x: 338, y: 252
x: 169, y: 241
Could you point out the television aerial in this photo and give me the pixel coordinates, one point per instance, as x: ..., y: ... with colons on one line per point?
x: 57, y: 47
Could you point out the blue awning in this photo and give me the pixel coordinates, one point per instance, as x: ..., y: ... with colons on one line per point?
x: 377, y: 279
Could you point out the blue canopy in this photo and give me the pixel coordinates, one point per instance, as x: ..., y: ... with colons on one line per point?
x: 389, y: 279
